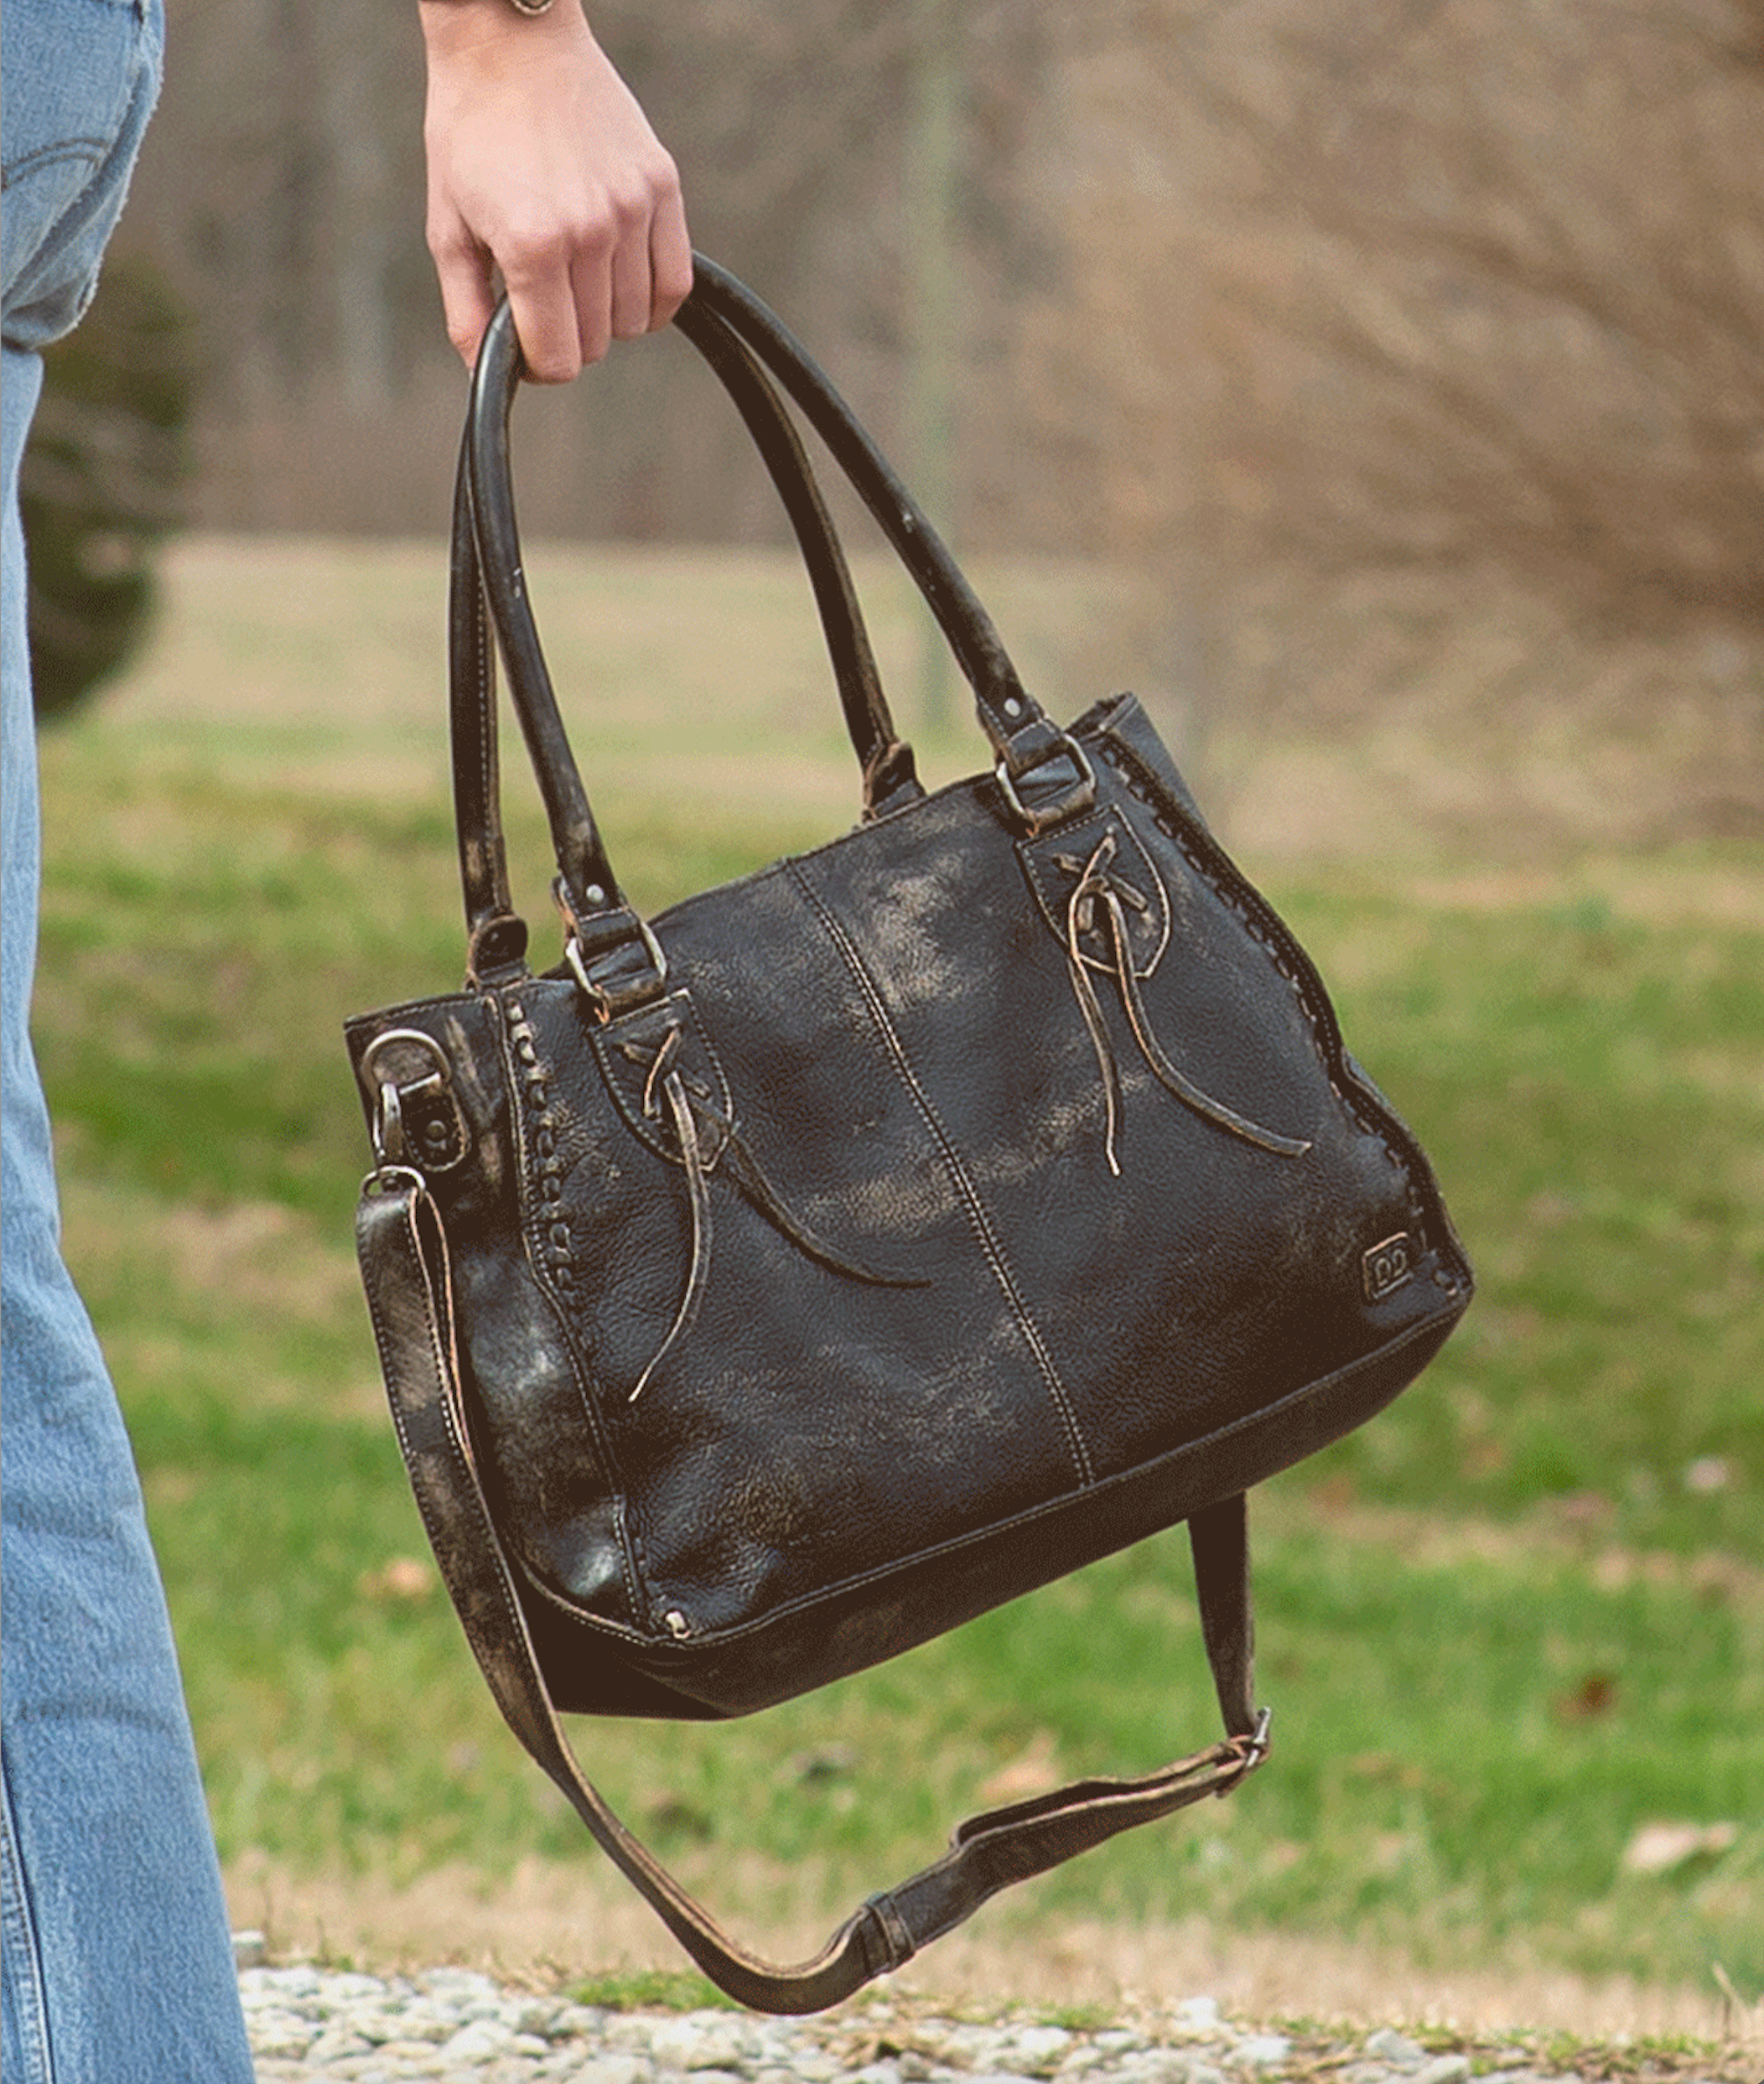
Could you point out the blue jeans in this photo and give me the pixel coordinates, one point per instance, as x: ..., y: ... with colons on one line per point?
x: 118, y: 1965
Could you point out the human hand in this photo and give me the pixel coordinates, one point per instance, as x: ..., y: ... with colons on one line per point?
x: 542, y: 165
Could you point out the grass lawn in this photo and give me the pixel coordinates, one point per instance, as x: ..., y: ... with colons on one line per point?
x: 1512, y: 1630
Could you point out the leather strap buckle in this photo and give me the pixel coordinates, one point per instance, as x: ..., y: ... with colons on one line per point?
x: 1078, y: 796
x: 613, y: 991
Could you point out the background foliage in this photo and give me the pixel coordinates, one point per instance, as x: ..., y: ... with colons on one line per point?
x: 102, y: 481
x: 1407, y: 356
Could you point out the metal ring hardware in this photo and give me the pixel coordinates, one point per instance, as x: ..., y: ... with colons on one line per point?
x: 390, y: 1094
x: 1081, y: 795
x: 603, y: 1004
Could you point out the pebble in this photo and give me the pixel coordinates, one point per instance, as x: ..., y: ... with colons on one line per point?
x: 1445, y: 2069
x: 1388, y: 2045
x: 310, y: 2025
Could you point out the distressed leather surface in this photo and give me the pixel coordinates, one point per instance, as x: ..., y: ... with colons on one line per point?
x: 888, y: 1028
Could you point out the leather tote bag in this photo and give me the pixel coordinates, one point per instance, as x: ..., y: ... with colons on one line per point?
x: 770, y: 1284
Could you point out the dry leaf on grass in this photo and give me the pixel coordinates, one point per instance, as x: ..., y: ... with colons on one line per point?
x: 1662, y: 1848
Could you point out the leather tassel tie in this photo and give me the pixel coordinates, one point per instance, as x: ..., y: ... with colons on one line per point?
x: 1099, y: 904
x: 686, y: 1101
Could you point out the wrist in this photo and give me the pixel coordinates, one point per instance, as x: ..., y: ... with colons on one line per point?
x: 528, y: 8
x: 460, y: 25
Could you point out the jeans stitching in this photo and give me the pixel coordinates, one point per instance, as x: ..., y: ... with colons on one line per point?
x: 24, y: 1964
x: 88, y: 150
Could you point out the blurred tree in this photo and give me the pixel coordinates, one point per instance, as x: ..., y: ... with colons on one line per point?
x: 1482, y: 288
x: 107, y: 462
x: 281, y: 183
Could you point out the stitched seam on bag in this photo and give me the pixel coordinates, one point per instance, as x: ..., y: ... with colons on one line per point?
x: 644, y: 1603
x: 970, y: 1194
x: 484, y: 709
x: 1320, y: 1020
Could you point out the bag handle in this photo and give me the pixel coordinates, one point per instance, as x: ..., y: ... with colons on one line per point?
x: 885, y: 760
x: 405, y: 1271
x: 497, y: 937
x: 1043, y: 775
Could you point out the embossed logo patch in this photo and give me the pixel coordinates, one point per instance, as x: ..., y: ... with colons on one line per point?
x: 1389, y: 1267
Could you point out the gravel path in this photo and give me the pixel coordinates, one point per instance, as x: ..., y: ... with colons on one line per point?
x: 456, y: 2026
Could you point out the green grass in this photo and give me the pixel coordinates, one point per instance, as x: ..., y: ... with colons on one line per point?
x: 1591, y: 1087
x: 1505, y: 1627
x: 656, y: 1989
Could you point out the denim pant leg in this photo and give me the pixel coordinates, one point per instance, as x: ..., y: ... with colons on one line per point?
x: 116, y: 1964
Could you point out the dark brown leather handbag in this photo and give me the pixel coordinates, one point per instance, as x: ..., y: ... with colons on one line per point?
x: 776, y: 1283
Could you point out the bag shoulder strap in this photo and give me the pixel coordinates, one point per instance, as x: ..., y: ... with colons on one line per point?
x: 405, y: 1270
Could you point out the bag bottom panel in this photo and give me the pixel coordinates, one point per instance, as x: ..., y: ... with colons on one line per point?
x: 812, y: 1642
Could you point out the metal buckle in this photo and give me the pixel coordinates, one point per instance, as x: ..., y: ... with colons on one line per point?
x: 1079, y: 797
x: 390, y: 1146
x: 1255, y: 1749
x: 384, y: 1179
x: 596, y: 995
x: 1259, y: 1745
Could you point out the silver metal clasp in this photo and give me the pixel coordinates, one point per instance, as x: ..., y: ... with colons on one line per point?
x: 1259, y: 1745
x: 392, y: 1095
x: 606, y: 1004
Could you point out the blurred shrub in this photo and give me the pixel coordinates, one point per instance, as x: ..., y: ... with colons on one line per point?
x: 1440, y: 290
x: 1422, y: 379
x: 103, y: 476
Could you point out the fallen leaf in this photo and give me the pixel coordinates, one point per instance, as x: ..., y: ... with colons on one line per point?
x: 1662, y: 1848
x: 833, y: 1761
x: 1596, y: 1695
x: 404, y: 1578
x: 672, y: 1816
x: 1035, y: 1771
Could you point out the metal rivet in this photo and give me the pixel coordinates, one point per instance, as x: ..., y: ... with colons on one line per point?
x: 677, y: 1623
x: 1013, y: 707
x: 595, y: 894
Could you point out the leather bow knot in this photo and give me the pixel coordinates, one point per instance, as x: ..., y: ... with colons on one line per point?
x: 1098, y: 904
